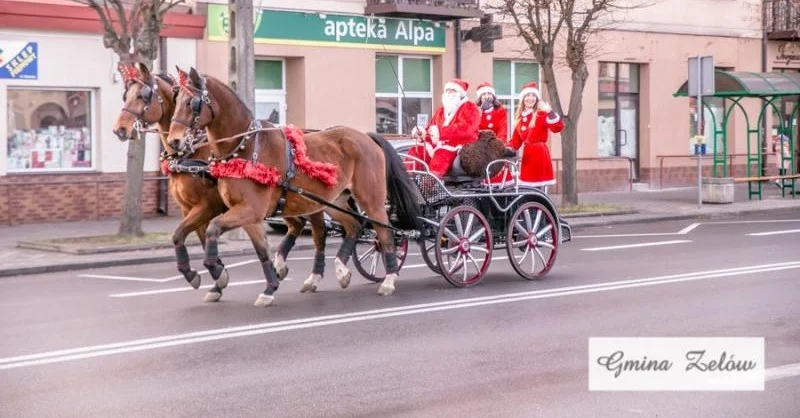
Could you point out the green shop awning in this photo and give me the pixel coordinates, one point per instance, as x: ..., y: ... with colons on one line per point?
x: 750, y: 84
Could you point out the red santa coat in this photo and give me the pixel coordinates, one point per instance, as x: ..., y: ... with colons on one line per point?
x: 496, y: 120
x: 459, y: 130
x: 536, y: 167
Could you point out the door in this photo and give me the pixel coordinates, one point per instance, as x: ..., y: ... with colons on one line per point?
x: 627, y: 131
x: 271, y: 106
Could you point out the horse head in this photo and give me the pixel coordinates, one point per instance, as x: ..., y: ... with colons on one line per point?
x: 146, y: 100
x: 198, y: 106
x: 475, y: 157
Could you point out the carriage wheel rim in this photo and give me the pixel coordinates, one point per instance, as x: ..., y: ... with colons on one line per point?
x: 532, y: 231
x: 470, y: 233
x: 368, y: 270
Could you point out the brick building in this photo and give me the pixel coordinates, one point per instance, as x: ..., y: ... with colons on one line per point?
x: 380, y: 65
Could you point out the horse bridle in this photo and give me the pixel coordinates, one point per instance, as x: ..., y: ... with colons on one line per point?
x: 196, y: 104
x: 145, y: 95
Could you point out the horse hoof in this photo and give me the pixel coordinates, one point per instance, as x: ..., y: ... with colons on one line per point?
x: 212, y: 297
x: 263, y: 300
x: 222, y: 280
x: 194, y: 279
x: 387, y: 287
x: 310, y: 284
x: 281, y: 267
x: 343, y: 274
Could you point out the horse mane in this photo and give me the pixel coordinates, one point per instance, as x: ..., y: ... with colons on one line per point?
x: 230, y: 90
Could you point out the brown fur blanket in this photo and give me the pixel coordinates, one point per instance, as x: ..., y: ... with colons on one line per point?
x: 476, y: 156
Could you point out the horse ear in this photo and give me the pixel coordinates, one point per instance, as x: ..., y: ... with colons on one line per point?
x: 144, y: 72
x: 196, y: 79
x: 183, y: 78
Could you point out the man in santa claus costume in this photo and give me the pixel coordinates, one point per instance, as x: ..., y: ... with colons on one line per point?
x: 534, y: 121
x: 454, y: 124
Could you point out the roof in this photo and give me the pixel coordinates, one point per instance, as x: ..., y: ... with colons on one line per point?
x: 750, y: 84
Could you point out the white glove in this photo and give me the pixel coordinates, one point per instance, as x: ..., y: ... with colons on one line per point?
x: 544, y: 107
x: 418, y: 133
x: 434, y: 133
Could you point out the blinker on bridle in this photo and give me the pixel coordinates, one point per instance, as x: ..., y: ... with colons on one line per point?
x: 145, y: 95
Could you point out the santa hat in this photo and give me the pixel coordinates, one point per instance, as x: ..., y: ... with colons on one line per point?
x: 458, y: 85
x: 529, y: 88
x: 485, y: 87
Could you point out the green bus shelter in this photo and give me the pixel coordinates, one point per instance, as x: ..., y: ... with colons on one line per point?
x: 769, y: 87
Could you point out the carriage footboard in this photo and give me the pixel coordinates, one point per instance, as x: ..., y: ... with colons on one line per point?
x: 566, y: 231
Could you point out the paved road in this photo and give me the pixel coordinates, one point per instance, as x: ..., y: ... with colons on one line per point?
x: 134, y: 341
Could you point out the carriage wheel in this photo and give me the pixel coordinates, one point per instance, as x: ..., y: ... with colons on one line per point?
x: 369, y: 261
x: 464, y: 246
x: 532, y: 234
x: 428, y: 251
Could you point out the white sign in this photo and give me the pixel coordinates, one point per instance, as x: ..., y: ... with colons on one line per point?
x: 422, y: 119
x: 676, y: 364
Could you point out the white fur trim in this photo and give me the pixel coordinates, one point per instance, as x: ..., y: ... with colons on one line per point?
x: 555, y: 119
x: 486, y: 89
x: 528, y: 90
x: 456, y: 87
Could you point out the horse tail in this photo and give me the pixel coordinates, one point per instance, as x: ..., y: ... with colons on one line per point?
x: 402, y: 192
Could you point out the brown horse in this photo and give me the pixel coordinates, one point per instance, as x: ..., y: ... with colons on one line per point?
x: 150, y: 99
x: 340, y: 162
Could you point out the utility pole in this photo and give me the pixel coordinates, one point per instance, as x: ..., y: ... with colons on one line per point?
x: 241, y: 63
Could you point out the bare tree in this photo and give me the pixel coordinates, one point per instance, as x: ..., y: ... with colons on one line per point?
x: 131, y: 28
x: 548, y: 26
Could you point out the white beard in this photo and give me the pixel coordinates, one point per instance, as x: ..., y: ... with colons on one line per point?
x: 450, y: 103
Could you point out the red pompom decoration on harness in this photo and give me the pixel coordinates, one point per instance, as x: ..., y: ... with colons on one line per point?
x: 243, y: 169
x: 324, y: 172
x: 164, y: 167
x: 239, y: 168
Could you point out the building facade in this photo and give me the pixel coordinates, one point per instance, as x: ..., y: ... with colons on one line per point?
x: 377, y: 65
x: 62, y: 93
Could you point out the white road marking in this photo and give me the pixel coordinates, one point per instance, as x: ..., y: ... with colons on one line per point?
x: 123, y: 278
x: 187, y: 288
x: 688, y: 229
x: 641, y: 244
x: 227, y: 266
x: 313, y: 322
x: 183, y: 289
x: 762, y: 234
x: 780, y: 372
x: 684, y: 231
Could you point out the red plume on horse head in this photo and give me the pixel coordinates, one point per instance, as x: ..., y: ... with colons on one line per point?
x: 128, y: 72
x: 183, y: 78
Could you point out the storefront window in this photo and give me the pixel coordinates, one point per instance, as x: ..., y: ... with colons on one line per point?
x: 403, y: 93
x: 508, y: 77
x: 49, y: 130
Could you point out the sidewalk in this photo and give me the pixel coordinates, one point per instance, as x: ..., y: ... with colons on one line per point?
x: 643, y: 206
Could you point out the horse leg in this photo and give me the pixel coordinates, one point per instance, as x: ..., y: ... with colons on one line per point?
x: 377, y: 210
x: 235, y: 217
x: 258, y: 237
x: 352, y: 227
x: 295, y: 228
x: 319, y: 235
x: 192, y: 221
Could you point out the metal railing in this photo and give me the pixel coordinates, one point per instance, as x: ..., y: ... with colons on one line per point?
x: 782, y: 15
x: 557, y: 162
x: 708, y: 158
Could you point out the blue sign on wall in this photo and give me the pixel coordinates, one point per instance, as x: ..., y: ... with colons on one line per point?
x: 19, y: 60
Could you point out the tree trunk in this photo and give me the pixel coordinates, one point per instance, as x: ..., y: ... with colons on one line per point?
x: 242, y: 64
x: 131, y: 221
x: 569, y: 136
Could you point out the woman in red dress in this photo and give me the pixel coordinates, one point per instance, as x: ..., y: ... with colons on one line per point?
x: 534, y: 121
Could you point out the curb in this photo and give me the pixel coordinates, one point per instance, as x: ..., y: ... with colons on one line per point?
x: 55, y: 268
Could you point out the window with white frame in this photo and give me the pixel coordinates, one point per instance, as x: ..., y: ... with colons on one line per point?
x: 403, y: 93
x: 270, y: 94
x: 508, y: 77
x: 50, y: 130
